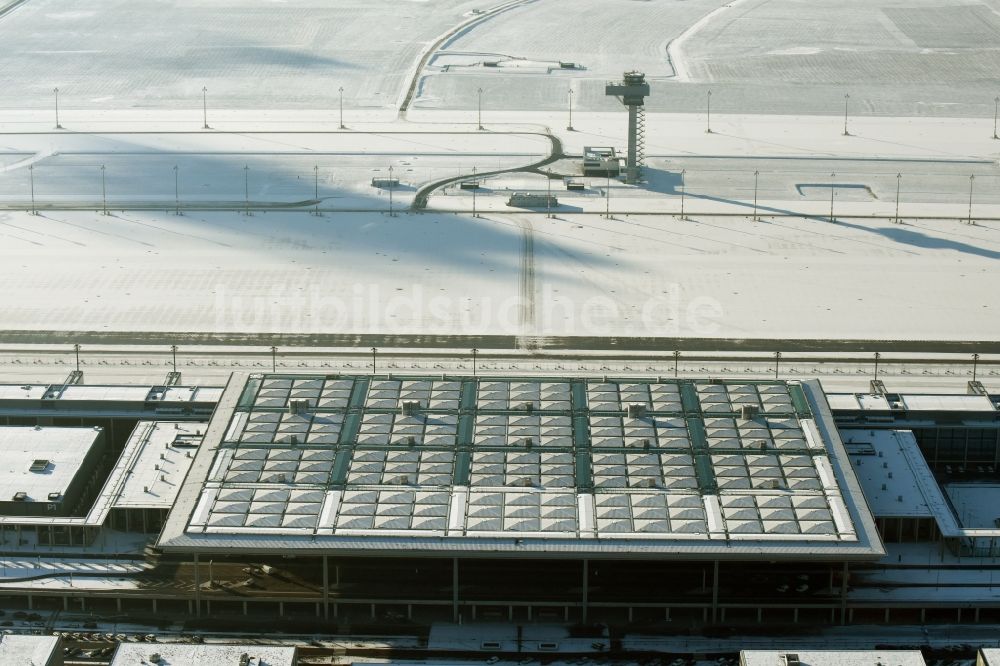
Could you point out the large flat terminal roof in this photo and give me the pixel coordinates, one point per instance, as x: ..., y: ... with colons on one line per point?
x: 41, y: 461
x: 554, y: 466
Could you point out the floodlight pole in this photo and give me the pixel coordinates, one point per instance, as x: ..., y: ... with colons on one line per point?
x: 391, y: 213
x: 341, y: 89
x: 76, y: 350
x: 374, y: 352
x: 777, y: 361
x: 177, y: 192
x: 975, y: 362
x: 246, y: 188
x: 548, y: 195
x: 204, y: 107
x: 607, y: 198
x: 31, y: 176
x: 104, y: 193
x: 877, y: 357
x: 899, y: 177
x: 476, y: 351
x: 683, y: 187
x: 832, y: 190
x: 173, y: 353
x: 756, y: 174
x: 570, y: 125
x: 475, y: 186
x: 274, y: 358
x: 316, y: 187
x: 708, y: 113
x: 847, y: 98
x: 972, y: 180
x: 58, y: 126
x: 480, y: 108
x: 996, y: 108
x: 677, y: 359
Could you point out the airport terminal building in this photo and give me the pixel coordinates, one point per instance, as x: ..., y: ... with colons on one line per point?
x: 349, y: 498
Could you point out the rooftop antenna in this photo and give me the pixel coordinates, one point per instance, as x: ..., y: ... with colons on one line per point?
x: 632, y: 92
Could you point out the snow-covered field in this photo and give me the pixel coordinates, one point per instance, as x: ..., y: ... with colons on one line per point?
x: 757, y: 56
x: 249, y: 54
x: 130, y: 78
x: 338, y: 167
x: 507, y: 274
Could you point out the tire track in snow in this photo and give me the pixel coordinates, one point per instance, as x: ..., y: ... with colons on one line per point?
x: 527, y: 310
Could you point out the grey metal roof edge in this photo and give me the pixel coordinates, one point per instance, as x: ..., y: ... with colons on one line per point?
x: 857, y: 506
x: 194, y: 481
x: 513, y: 547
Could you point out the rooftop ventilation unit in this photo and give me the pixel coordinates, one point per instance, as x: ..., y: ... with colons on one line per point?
x: 297, y: 406
x: 20, y: 496
x: 748, y: 412
x: 39, y: 465
x: 636, y: 410
x: 409, y: 407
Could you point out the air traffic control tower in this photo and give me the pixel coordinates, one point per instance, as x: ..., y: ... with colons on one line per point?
x: 631, y: 92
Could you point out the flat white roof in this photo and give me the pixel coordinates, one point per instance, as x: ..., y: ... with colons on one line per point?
x: 875, y: 402
x: 949, y: 403
x: 921, y: 402
x: 116, y: 393
x: 153, y: 464
x: 62, y: 450
x: 22, y: 650
x: 885, y: 462
x: 185, y: 654
x: 991, y: 656
x: 833, y: 657
x: 22, y: 391
x: 843, y: 401
x: 911, y: 478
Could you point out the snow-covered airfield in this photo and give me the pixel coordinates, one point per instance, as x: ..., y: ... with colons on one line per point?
x: 921, y: 80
